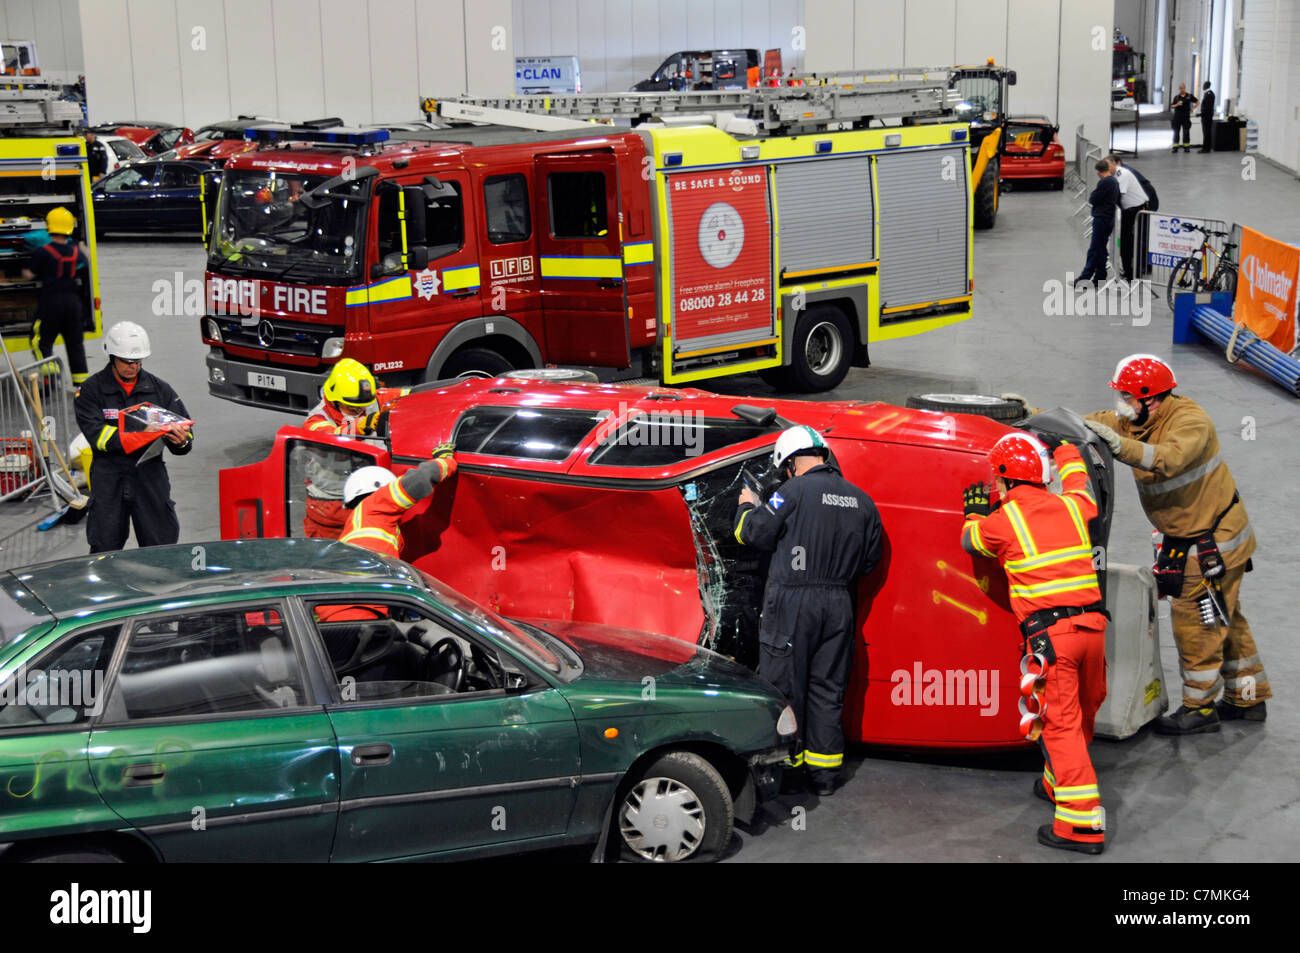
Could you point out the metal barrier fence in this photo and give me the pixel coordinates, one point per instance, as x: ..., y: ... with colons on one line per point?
x: 28, y: 427
x: 1080, y: 178
x: 1163, y: 236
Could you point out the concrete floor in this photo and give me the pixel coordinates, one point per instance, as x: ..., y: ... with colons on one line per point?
x: 1232, y: 796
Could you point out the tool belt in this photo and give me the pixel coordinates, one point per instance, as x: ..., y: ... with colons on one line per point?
x: 1171, y: 561
x: 1044, y: 619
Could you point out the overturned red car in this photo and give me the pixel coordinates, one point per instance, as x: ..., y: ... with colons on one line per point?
x: 616, y: 504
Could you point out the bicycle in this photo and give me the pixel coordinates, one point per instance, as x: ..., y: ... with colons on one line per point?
x: 1193, y: 274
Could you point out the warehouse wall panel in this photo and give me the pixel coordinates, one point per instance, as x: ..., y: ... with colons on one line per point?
x: 981, y: 31
x: 109, y: 87
x: 489, y: 47
x: 204, y: 61
x: 440, y: 45
x: 299, y: 67
x: 394, y: 78
x: 830, y: 35
x: 1087, y: 27
x: 363, y: 60
x: 154, y: 59
x: 250, y: 59
x: 931, y: 34
x: 878, y: 28
x: 1032, y: 51
x: 345, y: 55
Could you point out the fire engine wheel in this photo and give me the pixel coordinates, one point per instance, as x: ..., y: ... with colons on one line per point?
x: 478, y: 359
x: 980, y: 405
x: 555, y: 374
x: 821, y: 350
x: 986, y: 195
x: 677, y: 809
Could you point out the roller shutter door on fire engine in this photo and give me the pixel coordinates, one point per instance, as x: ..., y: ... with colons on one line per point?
x: 721, y: 264
x: 924, y: 228
x: 825, y: 215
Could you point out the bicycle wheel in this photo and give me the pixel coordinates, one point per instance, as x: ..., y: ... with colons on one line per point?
x: 1224, y: 279
x: 1185, y: 277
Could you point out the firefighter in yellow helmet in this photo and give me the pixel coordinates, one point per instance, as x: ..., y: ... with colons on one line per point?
x: 61, y: 309
x: 352, y: 404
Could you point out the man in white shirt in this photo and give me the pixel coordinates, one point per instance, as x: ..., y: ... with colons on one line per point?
x: 1132, y: 199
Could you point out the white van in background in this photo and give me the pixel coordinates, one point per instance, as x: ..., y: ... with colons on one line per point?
x: 538, y: 75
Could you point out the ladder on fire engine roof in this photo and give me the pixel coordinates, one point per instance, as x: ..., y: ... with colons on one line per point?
x: 822, y: 101
x: 29, y: 107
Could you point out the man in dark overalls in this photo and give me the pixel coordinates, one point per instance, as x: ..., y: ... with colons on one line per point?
x: 824, y: 533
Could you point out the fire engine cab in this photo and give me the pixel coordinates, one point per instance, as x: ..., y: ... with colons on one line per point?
x: 778, y: 230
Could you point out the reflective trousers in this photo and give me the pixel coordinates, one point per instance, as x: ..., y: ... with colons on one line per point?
x: 1075, y: 689
x: 805, y: 649
x: 1216, y: 656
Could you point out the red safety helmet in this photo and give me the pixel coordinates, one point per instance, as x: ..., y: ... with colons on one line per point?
x: 1143, y: 375
x: 1020, y: 456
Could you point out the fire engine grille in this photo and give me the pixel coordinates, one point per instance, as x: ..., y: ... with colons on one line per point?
x: 286, y: 337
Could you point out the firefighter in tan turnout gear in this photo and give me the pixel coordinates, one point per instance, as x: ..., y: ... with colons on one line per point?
x: 1189, y: 495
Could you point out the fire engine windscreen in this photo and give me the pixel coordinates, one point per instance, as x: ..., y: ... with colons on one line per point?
x: 263, y: 229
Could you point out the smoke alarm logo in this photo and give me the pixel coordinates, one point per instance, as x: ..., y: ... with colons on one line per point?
x: 722, y: 234
x: 426, y: 283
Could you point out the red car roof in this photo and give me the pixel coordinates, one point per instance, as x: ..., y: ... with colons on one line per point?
x: 425, y: 419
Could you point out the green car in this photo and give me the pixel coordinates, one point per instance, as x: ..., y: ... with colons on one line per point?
x: 305, y: 700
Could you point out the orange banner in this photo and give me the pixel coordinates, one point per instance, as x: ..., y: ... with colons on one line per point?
x: 1266, y: 288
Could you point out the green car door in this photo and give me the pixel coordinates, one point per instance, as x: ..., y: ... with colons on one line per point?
x: 441, y: 747
x: 209, y: 741
x: 48, y: 696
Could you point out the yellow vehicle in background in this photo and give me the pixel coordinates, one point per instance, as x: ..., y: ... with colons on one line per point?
x: 42, y: 167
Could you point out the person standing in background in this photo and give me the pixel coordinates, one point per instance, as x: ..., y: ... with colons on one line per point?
x: 1181, y: 112
x: 1104, y: 200
x: 1207, y: 118
x: 1132, y: 199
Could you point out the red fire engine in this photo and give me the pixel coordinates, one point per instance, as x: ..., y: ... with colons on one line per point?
x: 675, y: 253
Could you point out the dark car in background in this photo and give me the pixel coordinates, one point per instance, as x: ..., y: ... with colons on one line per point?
x: 307, y: 700
x: 702, y: 69
x: 150, y: 196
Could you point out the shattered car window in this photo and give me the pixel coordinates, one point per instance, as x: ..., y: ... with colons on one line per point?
x: 731, y: 575
x: 526, y: 432
x: 662, y: 438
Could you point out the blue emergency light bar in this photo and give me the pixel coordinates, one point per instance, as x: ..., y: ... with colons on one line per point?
x: 338, y: 136
x: 67, y: 149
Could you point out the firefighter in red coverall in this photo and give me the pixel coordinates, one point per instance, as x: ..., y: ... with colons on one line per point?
x: 1041, y: 539
x: 352, y: 404
x: 378, y: 500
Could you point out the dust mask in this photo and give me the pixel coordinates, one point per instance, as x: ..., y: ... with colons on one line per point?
x: 1124, y: 410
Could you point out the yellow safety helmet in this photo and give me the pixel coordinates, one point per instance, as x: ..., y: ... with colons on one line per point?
x: 60, y: 222
x: 350, y: 383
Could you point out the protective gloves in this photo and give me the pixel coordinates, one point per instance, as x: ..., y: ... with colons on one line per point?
x: 976, y: 501
x: 1113, y: 440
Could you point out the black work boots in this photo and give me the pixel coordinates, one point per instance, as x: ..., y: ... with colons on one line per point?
x: 1229, y: 712
x: 1189, y: 721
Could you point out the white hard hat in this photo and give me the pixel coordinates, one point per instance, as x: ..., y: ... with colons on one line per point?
x: 361, y: 483
x: 126, y: 340
x: 794, y: 440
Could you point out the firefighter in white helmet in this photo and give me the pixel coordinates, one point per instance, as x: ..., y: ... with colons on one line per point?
x: 379, y: 500
x: 128, y: 479
x: 824, y: 534
x: 1190, y: 497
